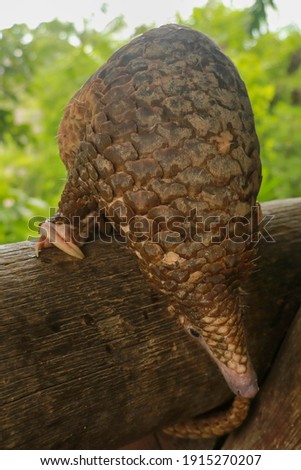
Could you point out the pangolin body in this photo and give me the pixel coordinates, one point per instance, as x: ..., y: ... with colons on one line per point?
x: 161, y: 140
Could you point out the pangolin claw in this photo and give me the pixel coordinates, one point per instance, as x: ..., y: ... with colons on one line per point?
x: 57, y: 235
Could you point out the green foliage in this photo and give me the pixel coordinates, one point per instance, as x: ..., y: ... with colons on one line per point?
x: 270, y: 65
x: 40, y: 70
x: 258, y: 12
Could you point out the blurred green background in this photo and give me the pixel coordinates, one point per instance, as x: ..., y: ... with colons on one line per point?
x: 41, y: 68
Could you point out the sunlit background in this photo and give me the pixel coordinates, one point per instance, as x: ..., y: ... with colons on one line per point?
x: 135, y: 13
x: 48, y: 50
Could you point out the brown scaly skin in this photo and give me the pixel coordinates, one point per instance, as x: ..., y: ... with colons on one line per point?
x: 165, y: 129
x: 215, y: 423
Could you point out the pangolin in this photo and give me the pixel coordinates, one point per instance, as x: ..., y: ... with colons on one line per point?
x: 161, y: 142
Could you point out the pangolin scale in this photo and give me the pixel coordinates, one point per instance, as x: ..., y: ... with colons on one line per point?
x: 161, y: 141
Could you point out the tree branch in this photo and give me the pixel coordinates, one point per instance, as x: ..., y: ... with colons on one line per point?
x: 91, y: 360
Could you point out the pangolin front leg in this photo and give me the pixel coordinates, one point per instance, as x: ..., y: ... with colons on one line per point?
x: 161, y: 139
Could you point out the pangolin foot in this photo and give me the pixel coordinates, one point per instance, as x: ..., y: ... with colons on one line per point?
x: 58, y: 235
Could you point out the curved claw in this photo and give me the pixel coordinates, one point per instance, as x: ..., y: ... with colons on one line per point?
x: 59, y: 236
x: 243, y: 384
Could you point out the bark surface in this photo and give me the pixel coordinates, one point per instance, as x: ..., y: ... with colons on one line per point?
x: 90, y: 359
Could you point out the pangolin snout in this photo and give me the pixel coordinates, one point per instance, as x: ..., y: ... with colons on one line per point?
x: 244, y: 385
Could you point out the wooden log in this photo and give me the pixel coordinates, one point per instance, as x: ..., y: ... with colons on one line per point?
x: 275, y: 418
x: 91, y: 360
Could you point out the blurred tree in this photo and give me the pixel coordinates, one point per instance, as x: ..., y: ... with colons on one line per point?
x: 41, y: 68
x: 259, y: 15
x: 273, y: 82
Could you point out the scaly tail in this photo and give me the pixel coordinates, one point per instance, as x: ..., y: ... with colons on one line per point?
x: 214, y: 423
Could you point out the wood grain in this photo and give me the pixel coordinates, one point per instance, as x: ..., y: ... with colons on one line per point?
x: 275, y: 420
